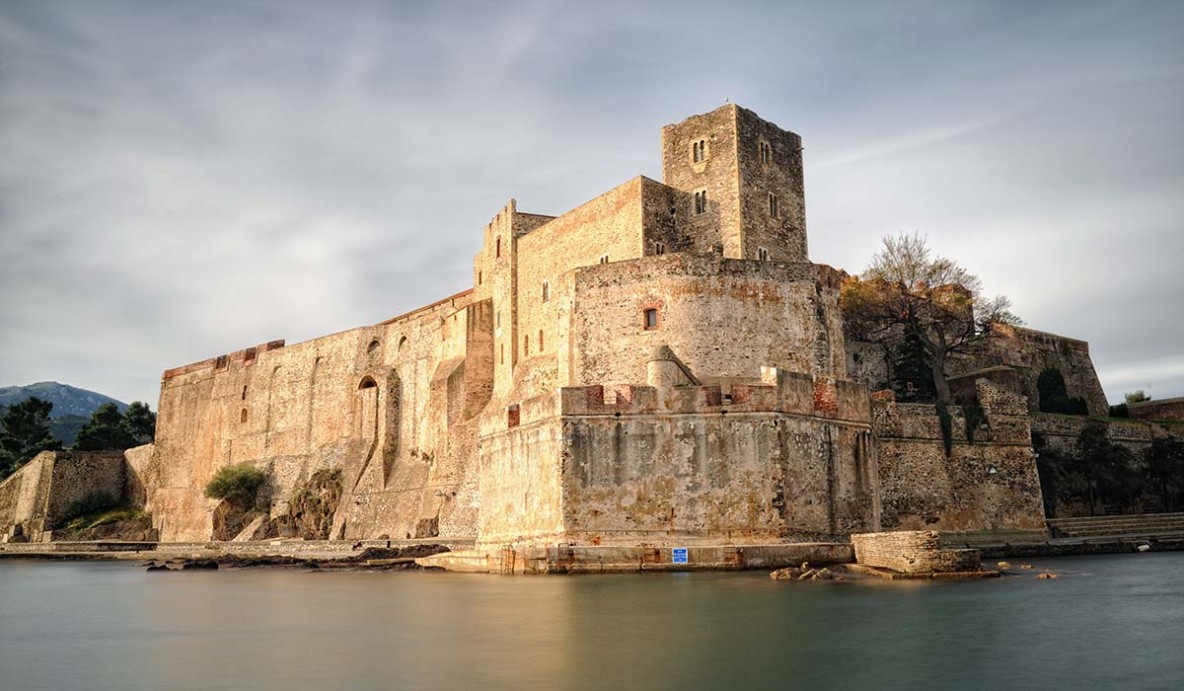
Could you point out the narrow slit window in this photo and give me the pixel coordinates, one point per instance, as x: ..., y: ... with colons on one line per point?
x: 650, y: 319
x: 766, y: 153
x: 540, y: 340
x: 762, y: 254
x: 701, y: 202
x: 659, y: 248
x: 501, y: 354
x: 498, y: 248
x: 525, y: 346
x: 604, y: 259
x: 774, y: 206
x: 546, y: 291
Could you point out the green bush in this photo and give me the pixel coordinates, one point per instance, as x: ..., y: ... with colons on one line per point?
x: 93, y: 503
x: 237, y: 484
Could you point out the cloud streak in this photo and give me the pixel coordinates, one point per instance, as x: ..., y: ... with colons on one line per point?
x: 180, y: 180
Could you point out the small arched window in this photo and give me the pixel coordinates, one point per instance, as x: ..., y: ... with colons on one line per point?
x: 367, y: 383
x: 372, y: 349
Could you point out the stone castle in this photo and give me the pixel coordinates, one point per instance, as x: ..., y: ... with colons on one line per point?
x: 662, y: 363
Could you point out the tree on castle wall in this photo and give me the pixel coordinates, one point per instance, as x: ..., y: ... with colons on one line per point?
x: 907, y: 294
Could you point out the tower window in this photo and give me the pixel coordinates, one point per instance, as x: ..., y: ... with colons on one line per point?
x: 774, y: 207
x: 699, y: 151
x: 501, y: 354
x: 525, y: 346
x: 766, y: 152
x: 498, y: 248
x: 659, y: 248
x: 546, y: 291
x: 604, y: 259
x: 762, y: 254
x: 650, y: 319
x: 480, y: 275
x: 540, y: 340
x: 701, y: 201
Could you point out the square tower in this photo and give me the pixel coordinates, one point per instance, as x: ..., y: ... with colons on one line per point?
x: 744, y: 179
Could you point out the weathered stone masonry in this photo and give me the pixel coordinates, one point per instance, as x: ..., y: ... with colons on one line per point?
x: 662, y: 363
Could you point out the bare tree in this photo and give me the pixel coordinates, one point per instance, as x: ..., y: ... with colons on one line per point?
x: 905, y: 291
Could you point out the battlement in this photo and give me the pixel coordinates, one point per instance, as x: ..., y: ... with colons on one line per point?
x: 246, y: 356
x: 789, y: 393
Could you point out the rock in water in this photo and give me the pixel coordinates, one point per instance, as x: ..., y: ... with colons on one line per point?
x: 200, y: 565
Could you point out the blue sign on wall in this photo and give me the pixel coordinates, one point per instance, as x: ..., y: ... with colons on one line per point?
x: 678, y: 555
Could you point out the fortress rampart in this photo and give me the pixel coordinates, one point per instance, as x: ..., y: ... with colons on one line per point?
x: 663, y: 362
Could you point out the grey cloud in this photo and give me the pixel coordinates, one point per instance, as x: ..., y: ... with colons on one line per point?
x: 183, y: 179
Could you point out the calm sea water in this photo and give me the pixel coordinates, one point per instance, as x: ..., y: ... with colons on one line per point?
x: 1106, y: 623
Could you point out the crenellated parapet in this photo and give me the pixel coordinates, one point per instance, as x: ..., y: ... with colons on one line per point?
x: 788, y: 393
x: 246, y: 356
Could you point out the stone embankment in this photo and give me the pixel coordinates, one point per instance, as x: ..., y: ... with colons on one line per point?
x: 369, y: 554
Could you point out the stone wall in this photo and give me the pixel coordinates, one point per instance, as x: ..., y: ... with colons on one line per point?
x: 783, y: 234
x: 725, y: 319
x: 1060, y: 432
x: 1030, y: 352
x: 1012, y: 356
x: 37, y: 496
x: 738, y: 180
x: 985, y: 483
x: 638, y: 464
x: 393, y: 406
x: 913, y: 551
x: 1167, y: 409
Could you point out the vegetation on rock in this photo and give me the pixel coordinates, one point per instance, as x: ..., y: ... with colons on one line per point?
x: 236, y: 484
x: 1098, y: 472
x: 89, y: 506
x: 931, y: 300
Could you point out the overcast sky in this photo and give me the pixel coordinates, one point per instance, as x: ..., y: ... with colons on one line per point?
x: 183, y: 179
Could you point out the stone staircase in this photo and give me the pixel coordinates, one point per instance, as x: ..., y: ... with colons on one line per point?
x: 1139, y: 525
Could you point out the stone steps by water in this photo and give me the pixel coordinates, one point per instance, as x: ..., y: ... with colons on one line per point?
x: 1143, y: 525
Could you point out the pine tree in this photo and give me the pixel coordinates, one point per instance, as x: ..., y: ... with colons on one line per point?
x: 105, y: 431
x: 24, y: 433
x: 140, y: 423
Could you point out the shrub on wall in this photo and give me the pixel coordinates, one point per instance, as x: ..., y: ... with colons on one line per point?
x: 236, y: 484
x: 93, y: 503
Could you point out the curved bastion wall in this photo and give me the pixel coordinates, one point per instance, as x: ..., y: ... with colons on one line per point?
x: 724, y: 318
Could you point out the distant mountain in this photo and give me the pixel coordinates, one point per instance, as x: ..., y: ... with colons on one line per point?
x: 72, y: 406
x: 66, y: 399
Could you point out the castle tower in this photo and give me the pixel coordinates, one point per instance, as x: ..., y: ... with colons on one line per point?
x: 744, y: 179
